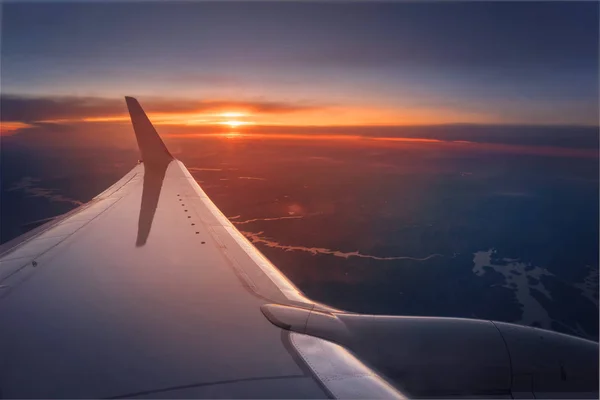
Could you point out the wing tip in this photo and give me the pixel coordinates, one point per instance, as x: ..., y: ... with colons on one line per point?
x: 151, y: 146
x: 132, y: 102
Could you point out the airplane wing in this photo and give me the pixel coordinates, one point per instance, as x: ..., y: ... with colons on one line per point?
x: 148, y: 291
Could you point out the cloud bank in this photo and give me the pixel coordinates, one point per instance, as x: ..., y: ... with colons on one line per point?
x: 30, y: 109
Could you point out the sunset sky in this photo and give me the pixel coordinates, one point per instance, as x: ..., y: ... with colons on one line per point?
x: 301, y: 64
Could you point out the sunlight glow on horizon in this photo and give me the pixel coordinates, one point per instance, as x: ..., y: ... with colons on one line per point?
x: 229, y: 113
x: 338, y: 116
x: 235, y: 124
x: 11, y: 128
x: 232, y: 114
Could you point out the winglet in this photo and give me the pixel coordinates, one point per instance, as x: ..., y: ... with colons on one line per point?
x: 151, y: 146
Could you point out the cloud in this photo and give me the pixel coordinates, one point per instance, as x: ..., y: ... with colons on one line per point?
x: 9, y: 128
x: 70, y: 118
x: 31, y: 109
x: 35, y: 109
x: 206, y: 78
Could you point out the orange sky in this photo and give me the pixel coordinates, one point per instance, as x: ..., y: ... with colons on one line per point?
x: 319, y: 116
x: 10, y: 128
x: 22, y: 111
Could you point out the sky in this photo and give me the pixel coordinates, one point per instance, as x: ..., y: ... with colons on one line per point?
x: 300, y: 64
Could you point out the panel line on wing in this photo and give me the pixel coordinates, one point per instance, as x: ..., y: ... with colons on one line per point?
x: 195, y: 385
x: 54, y: 241
x: 284, y: 285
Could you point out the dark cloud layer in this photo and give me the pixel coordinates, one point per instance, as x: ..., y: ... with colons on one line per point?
x: 34, y: 109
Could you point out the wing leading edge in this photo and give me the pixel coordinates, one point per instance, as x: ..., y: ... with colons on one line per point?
x: 149, y: 291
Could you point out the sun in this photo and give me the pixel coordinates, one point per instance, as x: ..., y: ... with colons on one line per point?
x: 231, y: 114
x: 234, y: 123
